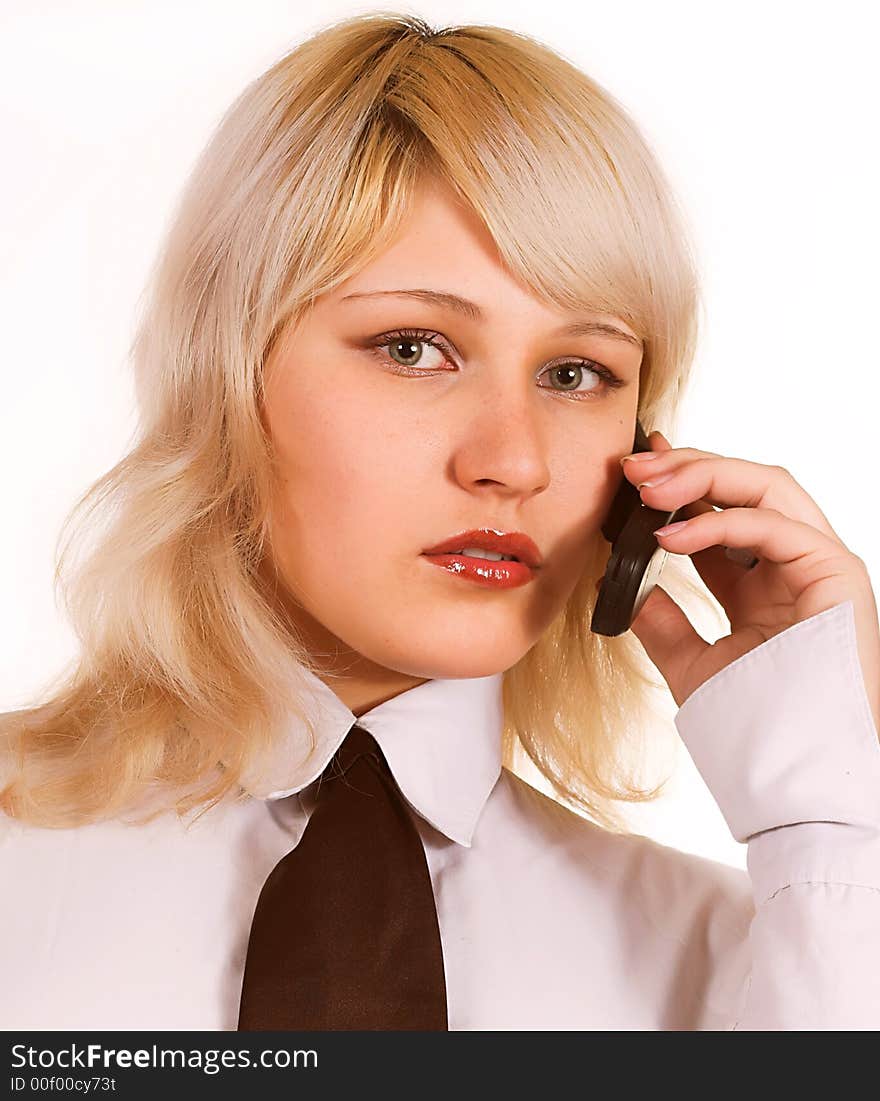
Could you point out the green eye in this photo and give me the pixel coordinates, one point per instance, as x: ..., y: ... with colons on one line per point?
x: 409, y: 339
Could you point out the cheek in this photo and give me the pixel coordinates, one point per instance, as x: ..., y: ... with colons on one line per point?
x: 342, y: 487
x: 585, y: 492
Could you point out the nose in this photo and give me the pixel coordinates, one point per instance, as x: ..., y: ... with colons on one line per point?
x: 504, y: 445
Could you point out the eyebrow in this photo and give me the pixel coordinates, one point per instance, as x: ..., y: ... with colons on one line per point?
x: 475, y: 313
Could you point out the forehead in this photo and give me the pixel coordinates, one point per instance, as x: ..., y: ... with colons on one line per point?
x: 444, y: 255
x: 401, y: 275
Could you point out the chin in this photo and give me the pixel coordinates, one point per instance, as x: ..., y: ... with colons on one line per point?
x: 457, y: 663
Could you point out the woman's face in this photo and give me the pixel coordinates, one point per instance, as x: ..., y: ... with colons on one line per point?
x: 386, y: 451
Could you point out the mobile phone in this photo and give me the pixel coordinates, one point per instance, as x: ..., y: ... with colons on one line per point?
x: 636, y: 558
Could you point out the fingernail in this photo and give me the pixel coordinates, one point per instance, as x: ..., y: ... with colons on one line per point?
x: 670, y: 529
x: 640, y: 456
x: 658, y: 481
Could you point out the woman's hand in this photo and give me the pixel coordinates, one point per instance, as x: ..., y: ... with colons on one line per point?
x: 803, y: 567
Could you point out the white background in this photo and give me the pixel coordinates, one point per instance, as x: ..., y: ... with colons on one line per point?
x: 763, y: 115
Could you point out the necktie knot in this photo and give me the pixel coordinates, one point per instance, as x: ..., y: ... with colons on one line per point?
x: 358, y: 744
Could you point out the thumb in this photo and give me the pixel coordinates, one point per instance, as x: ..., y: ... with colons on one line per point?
x: 668, y: 638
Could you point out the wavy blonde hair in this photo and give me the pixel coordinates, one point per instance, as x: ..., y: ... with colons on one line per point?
x: 186, y: 673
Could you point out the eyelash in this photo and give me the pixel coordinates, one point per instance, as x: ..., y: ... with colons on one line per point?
x: 610, y: 380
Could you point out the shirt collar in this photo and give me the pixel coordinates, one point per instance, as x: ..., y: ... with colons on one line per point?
x: 441, y: 739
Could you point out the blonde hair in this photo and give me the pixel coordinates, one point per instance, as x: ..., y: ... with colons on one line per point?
x: 187, y: 673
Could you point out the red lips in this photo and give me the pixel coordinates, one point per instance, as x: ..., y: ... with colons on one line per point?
x: 515, y: 544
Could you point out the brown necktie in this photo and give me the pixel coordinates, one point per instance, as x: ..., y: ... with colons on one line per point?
x: 345, y: 933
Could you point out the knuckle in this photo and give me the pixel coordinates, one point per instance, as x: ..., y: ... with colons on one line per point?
x: 858, y: 563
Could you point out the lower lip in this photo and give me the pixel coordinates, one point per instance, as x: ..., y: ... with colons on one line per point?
x: 484, y: 571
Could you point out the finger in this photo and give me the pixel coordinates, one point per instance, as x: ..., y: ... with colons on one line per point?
x: 713, y: 564
x: 658, y: 441
x: 667, y: 454
x: 730, y: 483
x: 800, y: 551
x: 719, y: 570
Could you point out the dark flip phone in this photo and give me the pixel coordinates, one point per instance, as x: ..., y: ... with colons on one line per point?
x: 636, y: 558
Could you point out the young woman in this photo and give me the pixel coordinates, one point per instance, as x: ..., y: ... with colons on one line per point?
x: 419, y: 289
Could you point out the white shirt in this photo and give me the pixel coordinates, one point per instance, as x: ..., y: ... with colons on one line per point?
x: 547, y: 921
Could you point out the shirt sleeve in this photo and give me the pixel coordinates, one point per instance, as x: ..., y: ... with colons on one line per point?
x: 785, y: 740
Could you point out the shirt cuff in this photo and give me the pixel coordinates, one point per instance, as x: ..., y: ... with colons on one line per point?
x: 785, y: 734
